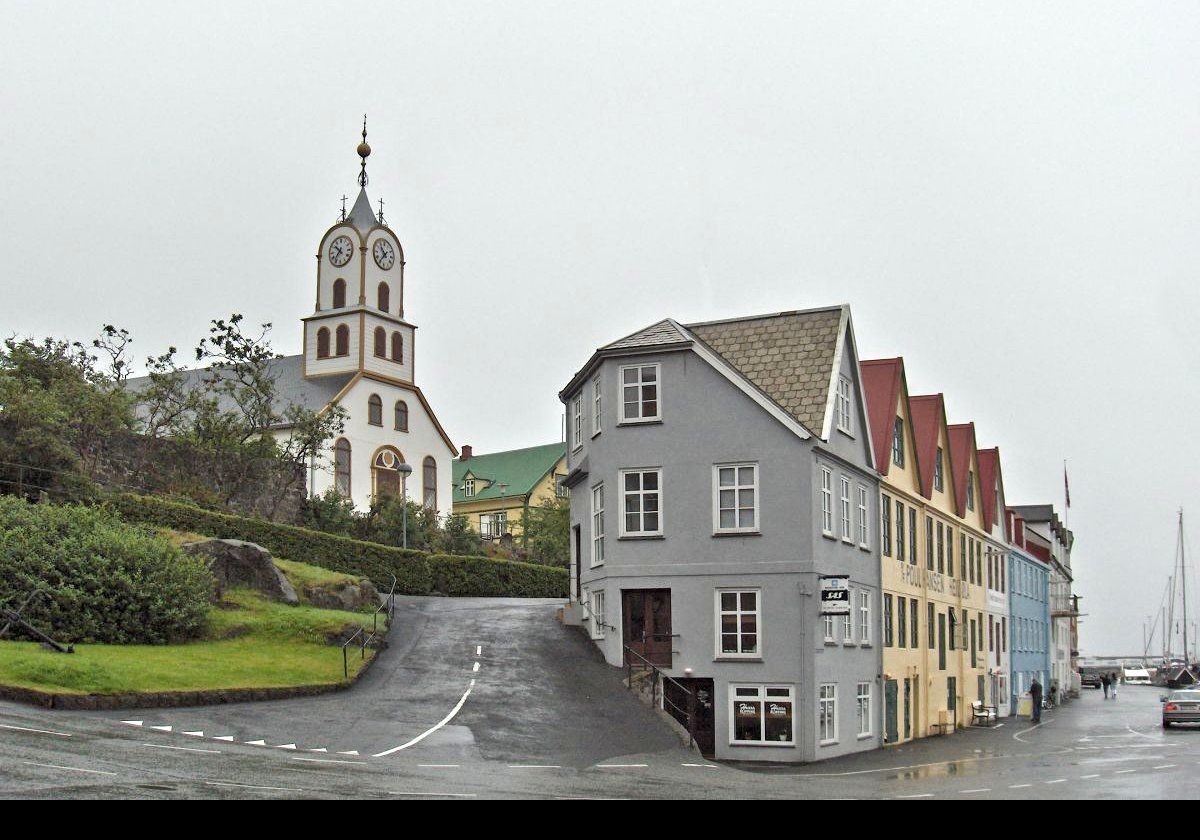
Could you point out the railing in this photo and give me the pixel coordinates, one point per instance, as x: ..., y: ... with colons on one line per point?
x: 362, y: 637
x: 12, y: 617
x: 657, y: 679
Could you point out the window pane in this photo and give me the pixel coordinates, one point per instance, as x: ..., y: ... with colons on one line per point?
x: 649, y: 374
x: 729, y: 601
x: 650, y: 502
x: 726, y: 497
x: 779, y: 721
x: 650, y: 481
x: 629, y: 375
x: 649, y: 408
x: 747, y: 720
x: 749, y: 623
x: 725, y: 475
x: 749, y: 643
x: 745, y: 475
x: 746, y: 498
x: 746, y: 519
x: 651, y: 521
x: 631, y: 522
x: 729, y: 643
x: 727, y: 519
x: 749, y: 601
x: 633, y: 481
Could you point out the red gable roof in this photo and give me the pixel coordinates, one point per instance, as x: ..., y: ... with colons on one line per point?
x: 962, y: 444
x: 881, y: 387
x: 928, y: 414
x: 989, y: 475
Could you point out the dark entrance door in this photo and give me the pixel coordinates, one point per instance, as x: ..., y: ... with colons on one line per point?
x: 907, y: 707
x: 578, y: 563
x: 647, y: 624
x: 889, y: 706
x: 677, y: 704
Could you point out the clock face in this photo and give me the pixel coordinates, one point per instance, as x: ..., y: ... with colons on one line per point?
x: 340, y: 251
x: 384, y: 253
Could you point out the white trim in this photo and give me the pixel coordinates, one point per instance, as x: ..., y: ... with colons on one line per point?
x: 597, y: 406
x: 864, y: 716
x: 720, y: 612
x: 827, y: 497
x: 658, y: 400
x: 597, y: 615
x: 844, y: 402
x: 864, y: 517
x: 864, y: 617
x: 641, y: 493
x: 737, y: 489
x: 577, y: 422
x: 846, y: 511
x: 833, y: 701
x: 742, y: 384
x: 761, y: 698
x: 597, y: 516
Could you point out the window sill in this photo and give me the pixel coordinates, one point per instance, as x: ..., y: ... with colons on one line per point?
x: 847, y: 542
x: 865, y: 644
x: 866, y: 737
x: 832, y: 743
x: 829, y: 536
x: 762, y: 744
x: 754, y: 533
x: 849, y: 644
x: 653, y: 421
x: 636, y: 537
x: 729, y: 657
x: 863, y: 547
x: 599, y: 565
x: 596, y: 434
x: 830, y: 643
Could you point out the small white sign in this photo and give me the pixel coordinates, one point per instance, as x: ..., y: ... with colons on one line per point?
x: 835, y: 595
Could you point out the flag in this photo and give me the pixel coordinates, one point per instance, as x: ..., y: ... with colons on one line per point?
x: 1066, y: 485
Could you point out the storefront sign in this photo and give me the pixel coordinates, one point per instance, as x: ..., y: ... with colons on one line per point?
x: 835, y: 595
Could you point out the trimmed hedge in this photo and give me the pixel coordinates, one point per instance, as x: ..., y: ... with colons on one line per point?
x: 417, y: 573
x: 105, y: 580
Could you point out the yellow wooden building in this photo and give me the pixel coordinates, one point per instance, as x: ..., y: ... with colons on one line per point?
x: 493, y: 491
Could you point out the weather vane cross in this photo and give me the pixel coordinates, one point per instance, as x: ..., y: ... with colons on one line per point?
x: 381, y: 211
x: 343, y: 208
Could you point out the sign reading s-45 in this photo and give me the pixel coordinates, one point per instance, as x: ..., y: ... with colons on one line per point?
x: 835, y: 595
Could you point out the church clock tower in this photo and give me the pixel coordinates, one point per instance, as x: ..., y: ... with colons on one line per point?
x: 358, y: 324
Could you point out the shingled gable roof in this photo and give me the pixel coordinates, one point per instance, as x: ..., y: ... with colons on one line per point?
x: 928, y: 414
x: 989, y: 477
x: 790, y: 357
x: 881, y: 388
x: 962, y: 446
x: 665, y: 332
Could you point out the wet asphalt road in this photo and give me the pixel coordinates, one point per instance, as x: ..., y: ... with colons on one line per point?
x: 541, y: 716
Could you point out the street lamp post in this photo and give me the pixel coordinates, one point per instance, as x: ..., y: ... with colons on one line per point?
x: 405, y: 471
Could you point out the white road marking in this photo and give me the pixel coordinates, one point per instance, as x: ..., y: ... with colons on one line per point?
x: 259, y: 743
x: 475, y: 668
x: 132, y: 722
x: 348, y: 752
x: 535, y: 767
x: 162, y: 728
x: 1165, y: 766
x: 327, y: 760
x: 1119, y: 772
x: 286, y: 747
x: 479, y: 650
x: 1091, y: 776
x: 1014, y: 787
x: 195, y: 734
x: 181, y: 749
x: 457, y: 708
x: 916, y: 796
x: 429, y: 793
x: 254, y: 787
x: 1017, y: 735
x: 438, y: 766
x: 222, y: 737
x: 320, y: 750
x: 74, y: 769
x: 1055, y: 781
x: 976, y: 790
x: 35, y: 731
x: 1142, y: 734
x: 620, y: 766
x: 707, y: 766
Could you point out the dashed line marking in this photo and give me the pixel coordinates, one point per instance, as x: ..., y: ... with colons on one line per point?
x: 535, y: 767
x: 479, y: 650
x: 327, y: 760
x: 620, y: 766
x: 254, y: 787
x: 1055, y: 781
x: 195, y: 734
x: 1014, y: 787
x: 706, y: 766
x: 1091, y: 776
x: 181, y: 749
x: 35, y: 731
x: 320, y: 750
x: 348, y: 752
x: 430, y: 793
x: 132, y: 722
x: 916, y: 796
x: 439, y: 766
x: 1121, y: 772
x: 457, y: 708
x: 976, y: 790
x: 258, y: 743
x: 162, y: 728
x: 475, y: 668
x: 228, y: 738
x: 286, y: 747
x: 1165, y: 766
x: 73, y: 769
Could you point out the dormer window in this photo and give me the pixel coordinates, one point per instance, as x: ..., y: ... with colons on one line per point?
x: 971, y: 490
x: 898, y: 443
x: 468, y: 487
x: 640, y: 396
x: 844, y: 423
x: 939, y: 472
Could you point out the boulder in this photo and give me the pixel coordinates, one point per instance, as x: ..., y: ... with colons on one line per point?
x: 238, y: 563
x: 350, y: 596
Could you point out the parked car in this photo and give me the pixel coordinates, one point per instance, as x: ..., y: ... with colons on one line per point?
x: 1090, y: 679
x: 1136, y: 676
x: 1181, y: 706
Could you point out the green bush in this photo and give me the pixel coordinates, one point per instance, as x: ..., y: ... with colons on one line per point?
x: 417, y: 573
x: 106, y: 581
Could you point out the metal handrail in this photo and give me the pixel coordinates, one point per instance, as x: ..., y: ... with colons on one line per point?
x: 389, y: 604
x: 657, y: 676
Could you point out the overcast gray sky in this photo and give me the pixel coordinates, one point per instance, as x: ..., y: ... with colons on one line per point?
x: 1005, y: 193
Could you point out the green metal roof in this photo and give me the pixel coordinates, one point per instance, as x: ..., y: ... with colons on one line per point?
x: 519, y: 470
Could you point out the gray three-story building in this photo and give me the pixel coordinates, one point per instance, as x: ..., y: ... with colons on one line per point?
x: 721, y: 476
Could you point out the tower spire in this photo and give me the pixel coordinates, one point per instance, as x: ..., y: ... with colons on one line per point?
x: 364, y: 151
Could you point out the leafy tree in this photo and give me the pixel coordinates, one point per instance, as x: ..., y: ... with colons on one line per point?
x: 330, y: 512
x: 456, y: 537
x: 546, y: 530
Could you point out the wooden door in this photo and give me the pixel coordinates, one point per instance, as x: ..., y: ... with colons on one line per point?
x: 647, y: 625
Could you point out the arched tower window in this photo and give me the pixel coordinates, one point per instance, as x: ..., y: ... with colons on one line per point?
x: 375, y: 410
x: 384, y: 296
x: 401, y: 416
x: 323, y: 343
x: 429, y: 471
x: 381, y: 342
x: 385, y: 471
x: 397, y: 347
x: 339, y: 293
x: 341, y: 467
x: 343, y: 340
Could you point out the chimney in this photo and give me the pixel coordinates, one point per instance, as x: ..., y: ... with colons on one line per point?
x: 465, y: 454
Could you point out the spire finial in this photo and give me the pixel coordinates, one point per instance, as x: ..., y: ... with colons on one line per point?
x: 343, y: 208
x: 364, y: 151
x: 381, y: 212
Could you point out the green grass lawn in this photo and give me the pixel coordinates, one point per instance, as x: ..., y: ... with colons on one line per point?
x: 251, y: 642
x: 301, y: 575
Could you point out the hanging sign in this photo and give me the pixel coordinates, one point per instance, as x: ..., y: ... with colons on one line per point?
x: 835, y: 595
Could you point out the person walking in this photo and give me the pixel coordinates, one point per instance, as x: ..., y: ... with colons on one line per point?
x: 1115, y: 681
x: 1035, y: 695
x: 1105, y: 682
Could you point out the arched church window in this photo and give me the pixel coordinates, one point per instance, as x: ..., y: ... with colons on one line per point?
x: 386, y: 472
x: 381, y: 342
x: 397, y: 347
x: 401, y: 416
x: 384, y: 297
x: 339, y: 293
x: 429, y: 470
x: 341, y: 467
x: 323, y: 343
x: 375, y: 410
x: 343, y: 340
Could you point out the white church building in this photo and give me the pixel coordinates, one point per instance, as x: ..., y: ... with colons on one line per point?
x: 359, y: 354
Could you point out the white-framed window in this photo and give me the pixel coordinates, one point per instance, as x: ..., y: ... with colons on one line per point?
x: 641, y: 396
x: 577, y: 421
x: 598, y: 525
x: 864, y: 617
x: 827, y: 723
x: 493, y: 524
x: 828, y: 628
x: 735, y: 498
x: 826, y: 501
x: 598, y: 614
x: 844, y: 422
x: 847, y: 536
x: 864, y: 710
x: 468, y: 487
x: 863, y: 528
x: 641, y: 503
x: 761, y: 714
x: 596, y: 407
x: 848, y: 624
x: 739, y: 623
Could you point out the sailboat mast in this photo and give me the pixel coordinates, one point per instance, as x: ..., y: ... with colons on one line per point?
x: 1183, y: 582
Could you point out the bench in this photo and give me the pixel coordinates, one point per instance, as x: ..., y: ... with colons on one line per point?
x: 982, y: 715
